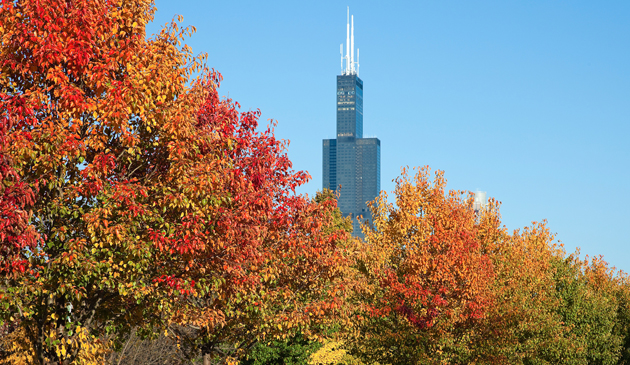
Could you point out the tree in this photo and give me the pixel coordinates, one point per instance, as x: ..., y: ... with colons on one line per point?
x: 153, y: 201
x: 589, y: 307
x: 524, y: 326
x: 95, y: 122
x: 622, y: 325
x: 297, y: 349
x: 272, y: 265
x: 427, y: 278
x: 549, y: 308
x: 18, y: 349
x: 292, y: 351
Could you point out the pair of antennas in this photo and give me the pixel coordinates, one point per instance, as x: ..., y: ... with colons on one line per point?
x: 352, y: 67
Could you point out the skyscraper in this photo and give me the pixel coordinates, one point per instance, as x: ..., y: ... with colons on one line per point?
x: 351, y: 163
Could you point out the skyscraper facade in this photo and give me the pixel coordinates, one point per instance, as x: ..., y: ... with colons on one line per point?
x: 351, y: 163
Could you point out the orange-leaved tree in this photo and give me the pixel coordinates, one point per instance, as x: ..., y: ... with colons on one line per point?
x: 97, y: 124
x: 427, y: 278
x: 549, y: 307
x: 524, y: 325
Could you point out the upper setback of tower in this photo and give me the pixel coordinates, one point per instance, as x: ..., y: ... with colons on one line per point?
x: 349, y: 107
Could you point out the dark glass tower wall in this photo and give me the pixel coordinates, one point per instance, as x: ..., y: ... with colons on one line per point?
x: 330, y: 164
x: 368, y: 171
x: 352, y: 163
x: 349, y: 106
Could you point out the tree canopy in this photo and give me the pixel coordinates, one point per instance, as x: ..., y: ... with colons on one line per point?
x: 139, y: 206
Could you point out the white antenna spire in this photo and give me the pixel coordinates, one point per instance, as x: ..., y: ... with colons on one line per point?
x: 352, y: 45
x: 348, y: 42
x: 351, y: 67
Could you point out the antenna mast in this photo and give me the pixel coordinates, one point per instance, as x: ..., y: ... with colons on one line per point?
x: 348, y: 42
x: 352, y: 67
x: 352, y: 45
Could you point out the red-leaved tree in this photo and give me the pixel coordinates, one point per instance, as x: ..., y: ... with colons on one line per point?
x: 134, y: 197
x: 272, y: 262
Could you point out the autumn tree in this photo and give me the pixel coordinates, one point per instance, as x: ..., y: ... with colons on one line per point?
x: 525, y: 324
x: 443, y: 283
x: 141, y: 198
x: 549, y: 307
x: 297, y: 349
x: 271, y: 266
x: 427, y: 278
x: 95, y: 122
x: 589, y: 307
x: 622, y: 325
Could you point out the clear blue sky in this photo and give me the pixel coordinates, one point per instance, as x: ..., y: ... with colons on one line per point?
x: 529, y: 101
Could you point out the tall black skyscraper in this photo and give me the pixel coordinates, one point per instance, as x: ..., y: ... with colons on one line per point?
x: 351, y: 162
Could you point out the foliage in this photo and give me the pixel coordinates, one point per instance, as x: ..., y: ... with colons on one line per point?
x: 339, y: 223
x: 333, y: 353
x: 296, y: 349
x: 442, y: 283
x: 622, y: 324
x: 16, y: 347
x: 428, y: 280
x: 274, y: 269
x: 154, y: 200
x: 589, y: 308
x: 293, y: 351
x: 93, y: 119
x: 524, y: 325
x: 549, y: 308
x: 134, y: 201
x: 19, y: 348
